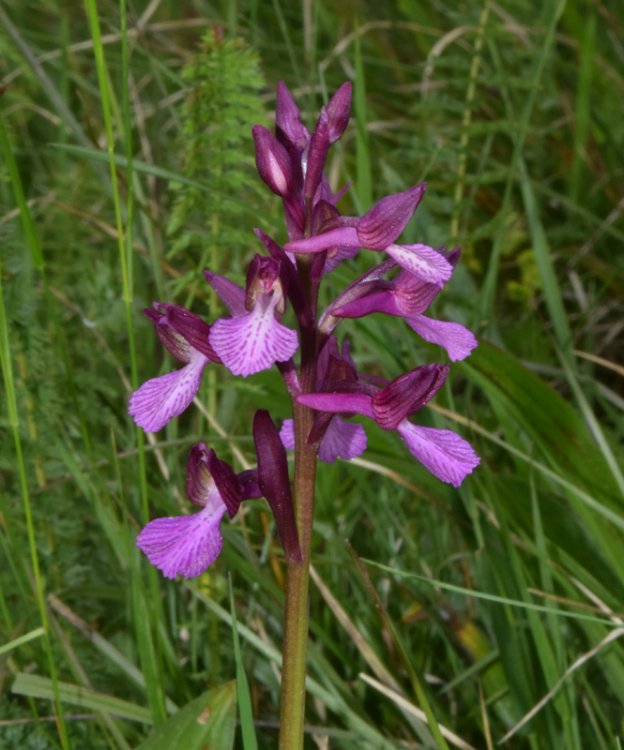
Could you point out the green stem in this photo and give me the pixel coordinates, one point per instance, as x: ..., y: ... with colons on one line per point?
x: 297, y: 615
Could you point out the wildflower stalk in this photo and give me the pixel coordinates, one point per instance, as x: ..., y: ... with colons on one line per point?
x: 297, y: 610
x: 325, y: 388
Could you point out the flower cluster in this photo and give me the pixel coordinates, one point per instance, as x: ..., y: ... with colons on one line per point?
x: 252, y: 338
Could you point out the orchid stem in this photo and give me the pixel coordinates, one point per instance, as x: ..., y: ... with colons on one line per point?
x: 297, y: 610
x: 296, y: 616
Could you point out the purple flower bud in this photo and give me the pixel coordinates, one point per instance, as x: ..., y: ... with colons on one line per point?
x: 288, y: 125
x: 338, y: 110
x: 273, y: 161
x: 274, y: 482
x: 317, y: 154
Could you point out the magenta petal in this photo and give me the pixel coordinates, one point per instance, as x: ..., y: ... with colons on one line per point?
x: 342, y: 439
x: 346, y: 403
x: 160, y: 399
x: 287, y: 434
x: 253, y: 342
x: 385, y: 221
x: 159, y: 313
x: 378, y: 300
x: 444, y: 453
x: 183, y: 545
x: 231, y: 294
x: 407, y: 393
x: 457, y: 340
x: 422, y: 261
x: 211, y: 481
x: 340, y: 237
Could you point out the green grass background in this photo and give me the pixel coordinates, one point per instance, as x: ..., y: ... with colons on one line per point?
x: 440, y: 617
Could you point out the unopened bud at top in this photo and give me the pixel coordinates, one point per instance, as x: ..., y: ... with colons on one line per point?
x: 272, y: 161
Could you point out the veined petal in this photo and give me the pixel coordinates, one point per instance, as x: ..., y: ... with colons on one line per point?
x: 384, y: 222
x: 253, y: 342
x: 457, y: 340
x: 344, y: 440
x: 446, y: 455
x: 160, y: 399
x: 183, y: 545
x: 407, y: 393
x: 422, y: 261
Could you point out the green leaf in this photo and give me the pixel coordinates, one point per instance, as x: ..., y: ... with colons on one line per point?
x: 206, y: 722
x: 36, y: 686
x: 551, y: 422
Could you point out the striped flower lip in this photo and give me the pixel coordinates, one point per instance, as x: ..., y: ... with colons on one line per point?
x: 187, y: 337
x: 187, y: 545
x: 253, y: 339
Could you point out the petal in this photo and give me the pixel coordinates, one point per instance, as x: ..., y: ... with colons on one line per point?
x: 211, y: 481
x: 412, y: 295
x: 342, y: 440
x: 287, y: 434
x: 407, y: 393
x: 177, y: 345
x: 340, y: 237
x: 253, y: 342
x: 446, y: 455
x: 346, y: 403
x: 183, y: 545
x: 384, y: 222
x: 457, y: 340
x: 423, y: 261
x: 378, y: 300
x: 160, y: 399
x: 193, y: 329
x: 231, y: 294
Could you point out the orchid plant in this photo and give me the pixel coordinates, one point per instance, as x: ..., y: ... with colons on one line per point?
x: 324, y: 384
